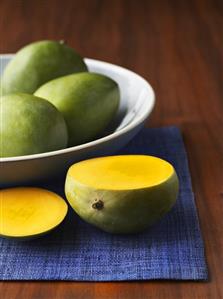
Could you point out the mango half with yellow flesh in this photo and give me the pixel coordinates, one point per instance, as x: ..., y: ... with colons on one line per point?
x: 38, y: 63
x: 28, y: 212
x: 88, y: 102
x: 122, y: 194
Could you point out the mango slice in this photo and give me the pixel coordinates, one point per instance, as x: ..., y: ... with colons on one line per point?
x: 122, y: 194
x: 27, y: 212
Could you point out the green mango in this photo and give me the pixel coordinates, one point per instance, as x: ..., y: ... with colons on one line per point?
x: 38, y: 63
x: 88, y: 102
x: 30, y: 125
x: 122, y: 194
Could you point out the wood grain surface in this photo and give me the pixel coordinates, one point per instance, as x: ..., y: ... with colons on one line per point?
x: 178, y: 47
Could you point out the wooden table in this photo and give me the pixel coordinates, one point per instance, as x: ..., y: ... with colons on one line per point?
x: 178, y: 47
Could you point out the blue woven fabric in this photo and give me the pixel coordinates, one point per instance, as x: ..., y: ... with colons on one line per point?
x: 171, y: 249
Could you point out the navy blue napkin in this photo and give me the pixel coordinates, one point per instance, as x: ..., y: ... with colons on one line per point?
x: 171, y: 249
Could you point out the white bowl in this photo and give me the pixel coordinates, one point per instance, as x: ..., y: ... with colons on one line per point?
x: 137, y: 101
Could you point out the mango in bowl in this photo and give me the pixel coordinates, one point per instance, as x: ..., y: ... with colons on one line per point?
x: 30, y: 125
x: 38, y: 63
x: 88, y: 102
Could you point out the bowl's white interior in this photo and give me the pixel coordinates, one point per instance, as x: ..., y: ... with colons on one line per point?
x: 137, y: 101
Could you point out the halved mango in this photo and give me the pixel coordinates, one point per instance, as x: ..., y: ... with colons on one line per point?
x: 27, y: 212
x: 122, y: 194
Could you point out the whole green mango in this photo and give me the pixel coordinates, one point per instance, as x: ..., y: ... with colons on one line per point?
x: 38, y: 63
x: 88, y: 102
x: 30, y: 125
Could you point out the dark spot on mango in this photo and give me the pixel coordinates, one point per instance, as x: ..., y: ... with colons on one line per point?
x: 99, y: 205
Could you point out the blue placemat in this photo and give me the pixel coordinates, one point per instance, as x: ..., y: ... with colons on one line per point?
x: 172, y: 249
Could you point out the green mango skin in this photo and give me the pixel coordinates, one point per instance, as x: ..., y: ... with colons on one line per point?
x: 122, y: 211
x: 88, y: 102
x: 38, y: 63
x: 30, y: 125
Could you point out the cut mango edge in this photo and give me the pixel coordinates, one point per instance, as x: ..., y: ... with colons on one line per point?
x: 122, y: 172
x: 29, y: 212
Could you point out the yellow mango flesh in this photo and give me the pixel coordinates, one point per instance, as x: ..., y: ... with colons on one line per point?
x: 122, y: 194
x: 122, y: 172
x: 28, y: 212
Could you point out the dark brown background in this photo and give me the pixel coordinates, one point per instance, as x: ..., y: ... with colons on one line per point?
x: 178, y: 47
